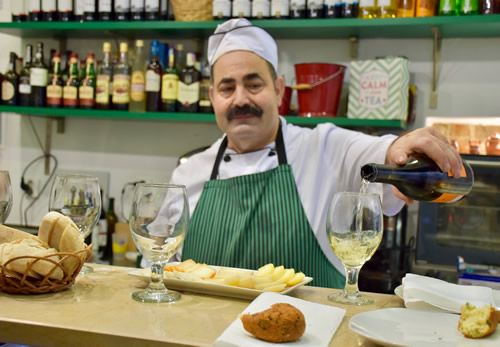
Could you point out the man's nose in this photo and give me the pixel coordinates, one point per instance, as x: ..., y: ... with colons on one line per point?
x: 240, y: 97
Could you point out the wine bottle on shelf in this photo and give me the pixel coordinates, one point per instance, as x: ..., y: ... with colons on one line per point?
x: 222, y: 9
x: 24, y: 79
x: 87, y: 88
x: 51, y: 63
x: 105, y: 250
x: 38, y: 77
x: 152, y: 9
x: 122, y: 10
x: 79, y: 9
x: 349, y: 9
x: 180, y: 57
x: 65, y: 9
x: 105, y: 8
x: 333, y: 9
x: 242, y: 9
x: 104, y: 77
x: 188, y: 94
x: 422, y: 179
x: 111, y: 220
x: 82, y: 72
x: 261, y: 9
x: 49, y: 10
x: 298, y: 9
x: 137, y: 10
x: 10, y: 82
x: 169, y: 84
x: 70, y: 90
x: 280, y: 9
x: 18, y: 10
x: 138, y: 81
x: 35, y: 11
x: 55, y: 86
x: 89, y: 11
x: 315, y: 9
x: 205, y: 103
x: 154, y: 74
x: 121, y: 80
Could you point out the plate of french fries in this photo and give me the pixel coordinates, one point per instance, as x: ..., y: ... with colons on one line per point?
x: 227, y: 281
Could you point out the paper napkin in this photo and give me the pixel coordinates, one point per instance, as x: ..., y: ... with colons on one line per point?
x: 322, y: 321
x: 427, y: 293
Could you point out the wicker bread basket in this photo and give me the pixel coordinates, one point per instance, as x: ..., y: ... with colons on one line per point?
x: 20, y: 283
x: 192, y: 10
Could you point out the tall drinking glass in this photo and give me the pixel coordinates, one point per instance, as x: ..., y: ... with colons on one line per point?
x: 158, y: 223
x: 5, y: 196
x: 354, y: 228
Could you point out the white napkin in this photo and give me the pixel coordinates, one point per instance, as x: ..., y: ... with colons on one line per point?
x: 427, y: 293
x: 322, y: 321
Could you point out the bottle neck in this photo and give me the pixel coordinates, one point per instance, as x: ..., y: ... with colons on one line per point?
x: 111, y: 206
x: 123, y: 58
x: 107, y: 59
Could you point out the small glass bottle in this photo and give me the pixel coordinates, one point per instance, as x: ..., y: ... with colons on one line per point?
x: 55, y: 86
x: 79, y: 9
x: 49, y: 10
x: 154, y: 74
x: 469, y: 7
x: 34, y: 11
x: 137, y: 10
x: 222, y: 9
x: 122, y: 10
x: 65, y: 9
x: 10, y: 83
x: 425, y: 8
x: 152, y: 10
x: 121, y: 80
x: 333, y: 8
x: 169, y: 84
x: 406, y: 9
x: 205, y: 104
x: 89, y: 11
x: 104, y: 78
x: 38, y: 77
x: 138, y: 81
x: 349, y: 9
x: 70, y: 90
x: 105, y: 8
x: 24, y: 79
x: 88, y: 84
x: 448, y: 8
x: 315, y: 9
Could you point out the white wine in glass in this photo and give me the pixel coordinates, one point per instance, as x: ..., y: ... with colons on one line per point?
x: 158, y: 223
x: 354, y: 229
x: 5, y: 196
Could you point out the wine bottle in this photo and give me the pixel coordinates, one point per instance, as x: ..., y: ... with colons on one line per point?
x: 89, y: 11
x: 137, y: 10
x: 65, y: 70
x: 55, y: 86
x: 49, y: 10
x: 24, y: 79
x: 83, y: 72
x: 87, y: 88
x: 121, y: 80
x: 180, y: 57
x: 152, y: 9
x: 315, y: 8
x: 79, y: 10
x: 221, y: 9
x: 169, y: 84
x: 138, y: 82
x: 153, y: 79
x: 105, y: 251
x: 188, y: 94
x: 70, y: 90
x: 111, y: 220
x: 422, y: 179
x: 298, y: 9
x: 10, y: 83
x: 65, y: 9
x: 205, y: 104
x: 104, y: 77
x: 242, y: 8
x: 105, y: 8
x: 333, y: 9
x: 261, y: 9
x: 122, y: 10
x: 349, y: 9
x: 18, y: 10
x: 38, y: 78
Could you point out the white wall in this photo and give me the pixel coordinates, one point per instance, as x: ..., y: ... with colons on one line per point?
x: 469, y: 85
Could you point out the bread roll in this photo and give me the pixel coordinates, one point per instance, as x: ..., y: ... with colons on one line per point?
x: 52, y: 228
x: 70, y: 242
x: 10, y: 234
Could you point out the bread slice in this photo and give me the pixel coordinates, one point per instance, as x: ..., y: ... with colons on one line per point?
x: 71, y: 242
x: 477, y: 322
x: 8, y: 234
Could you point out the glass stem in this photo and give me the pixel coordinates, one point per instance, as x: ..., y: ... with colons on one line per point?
x: 156, y: 282
x: 351, y: 279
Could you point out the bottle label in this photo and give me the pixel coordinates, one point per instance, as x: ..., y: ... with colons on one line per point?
x: 222, y: 8
x: 54, y: 94
x: 448, y: 198
x: 121, y: 89
x: 152, y: 5
x: 188, y: 93
x: 89, y: 6
x: 242, y: 8
x: 70, y: 95
x: 105, y: 6
x: 153, y: 83
x: 8, y: 91
x: 374, y: 89
x: 38, y: 77
x: 65, y: 6
x: 261, y: 8
x: 280, y: 8
x: 103, y: 230
x: 86, y: 95
x: 137, y: 5
x: 137, y: 86
x: 24, y: 88
x: 34, y: 6
x: 169, y: 88
x: 49, y: 5
x: 205, y: 103
x: 79, y: 5
x: 102, y: 89
x: 122, y: 6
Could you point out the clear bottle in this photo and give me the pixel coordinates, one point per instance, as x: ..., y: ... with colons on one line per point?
x: 222, y: 9
x: 65, y: 9
x: 70, y: 90
x: 55, y: 86
x: 49, y: 10
x: 388, y: 8
x: 188, y: 95
x: 169, y: 84
x: 38, y: 78
x: 421, y: 179
x: 87, y: 89
x: 368, y: 9
x: 138, y: 82
x: 152, y: 9
x: 333, y: 9
x: 154, y: 74
x: 24, y: 79
x: 315, y: 9
x: 280, y: 9
x: 137, y: 10
x: 122, y: 10
x: 105, y: 8
x: 241, y: 9
x: 104, y: 78
x: 261, y: 9
x: 10, y: 83
x: 406, y: 8
x: 121, y: 80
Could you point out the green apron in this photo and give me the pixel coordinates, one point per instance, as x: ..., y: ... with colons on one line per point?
x: 251, y: 220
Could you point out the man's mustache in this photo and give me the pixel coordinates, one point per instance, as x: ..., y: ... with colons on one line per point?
x: 244, y: 110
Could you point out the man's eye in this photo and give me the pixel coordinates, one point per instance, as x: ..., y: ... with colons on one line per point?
x: 255, y: 86
x: 225, y: 89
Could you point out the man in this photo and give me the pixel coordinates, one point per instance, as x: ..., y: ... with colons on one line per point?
x: 260, y: 194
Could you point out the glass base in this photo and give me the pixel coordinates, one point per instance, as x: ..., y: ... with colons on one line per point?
x: 86, y: 270
x: 355, y: 298
x: 150, y: 296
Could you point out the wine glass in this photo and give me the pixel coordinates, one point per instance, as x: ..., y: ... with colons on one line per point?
x: 5, y: 196
x: 79, y: 198
x: 158, y: 222
x: 354, y: 227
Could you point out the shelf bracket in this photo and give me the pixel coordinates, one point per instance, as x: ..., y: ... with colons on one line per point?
x: 353, y: 43
x: 436, y: 64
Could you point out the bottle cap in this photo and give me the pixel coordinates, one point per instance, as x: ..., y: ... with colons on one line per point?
x: 139, y: 43
x: 123, y: 47
x: 180, y: 47
x: 106, y: 47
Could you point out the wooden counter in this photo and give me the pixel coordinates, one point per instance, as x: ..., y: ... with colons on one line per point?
x: 99, y: 311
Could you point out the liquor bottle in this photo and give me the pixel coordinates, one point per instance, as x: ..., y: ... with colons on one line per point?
x: 406, y: 9
x: 137, y: 10
x: 205, y: 104
x: 154, y: 74
x: 104, y: 77
x: 315, y: 8
x: 349, y: 9
x: 55, y: 86
x: 222, y: 9
x: 152, y: 9
x: 105, y: 8
x: 188, y: 94
x: 18, y: 10
x: 65, y: 9
x: 261, y: 9
x: 242, y: 9
x: 122, y: 10
x: 89, y: 11
x: 70, y: 90
x: 121, y: 80
x: 448, y: 8
x: 487, y: 6
x: 10, y: 83
x: 38, y: 78
x: 49, y: 10
x: 34, y: 11
x: 105, y: 250
x: 87, y: 88
x: 469, y: 7
x: 298, y: 9
x: 138, y: 81
x: 388, y: 8
x: 24, y: 79
x: 368, y: 9
x: 180, y: 57
x: 111, y: 220
x: 65, y: 69
x: 425, y: 8
x: 280, y: 9
x: 421, y: 179
x: 82, y: 73
x: 51, y: 64
x: 169, y: 84
x: 79, y: 10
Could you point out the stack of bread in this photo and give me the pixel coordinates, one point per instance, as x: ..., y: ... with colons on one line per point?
x: 48, y: 262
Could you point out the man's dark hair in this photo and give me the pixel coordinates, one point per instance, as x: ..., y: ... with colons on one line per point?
x: 269, y: 65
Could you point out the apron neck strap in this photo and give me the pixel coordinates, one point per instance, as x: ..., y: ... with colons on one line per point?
x: 280, y: 148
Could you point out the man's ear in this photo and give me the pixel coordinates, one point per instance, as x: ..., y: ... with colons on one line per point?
x: 279, y: 85
x: 211, y: 94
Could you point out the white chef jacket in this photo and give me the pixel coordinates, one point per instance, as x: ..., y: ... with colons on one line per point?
x: 324, y: 160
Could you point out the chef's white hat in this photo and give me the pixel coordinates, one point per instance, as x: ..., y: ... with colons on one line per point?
x: 240, y: 35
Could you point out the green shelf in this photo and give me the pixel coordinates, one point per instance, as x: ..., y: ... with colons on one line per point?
x: 449, y: 27
x: 188, y: 117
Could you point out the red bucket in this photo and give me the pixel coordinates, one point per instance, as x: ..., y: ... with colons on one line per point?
x: 285, y: 102
x: 321, y: 96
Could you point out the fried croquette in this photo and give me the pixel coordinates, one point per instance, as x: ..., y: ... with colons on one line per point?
x: 477, y: 322
x: 280, y: 323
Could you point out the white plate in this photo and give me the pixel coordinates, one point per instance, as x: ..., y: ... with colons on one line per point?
x: 212, y: 288
x: 403, y: 327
